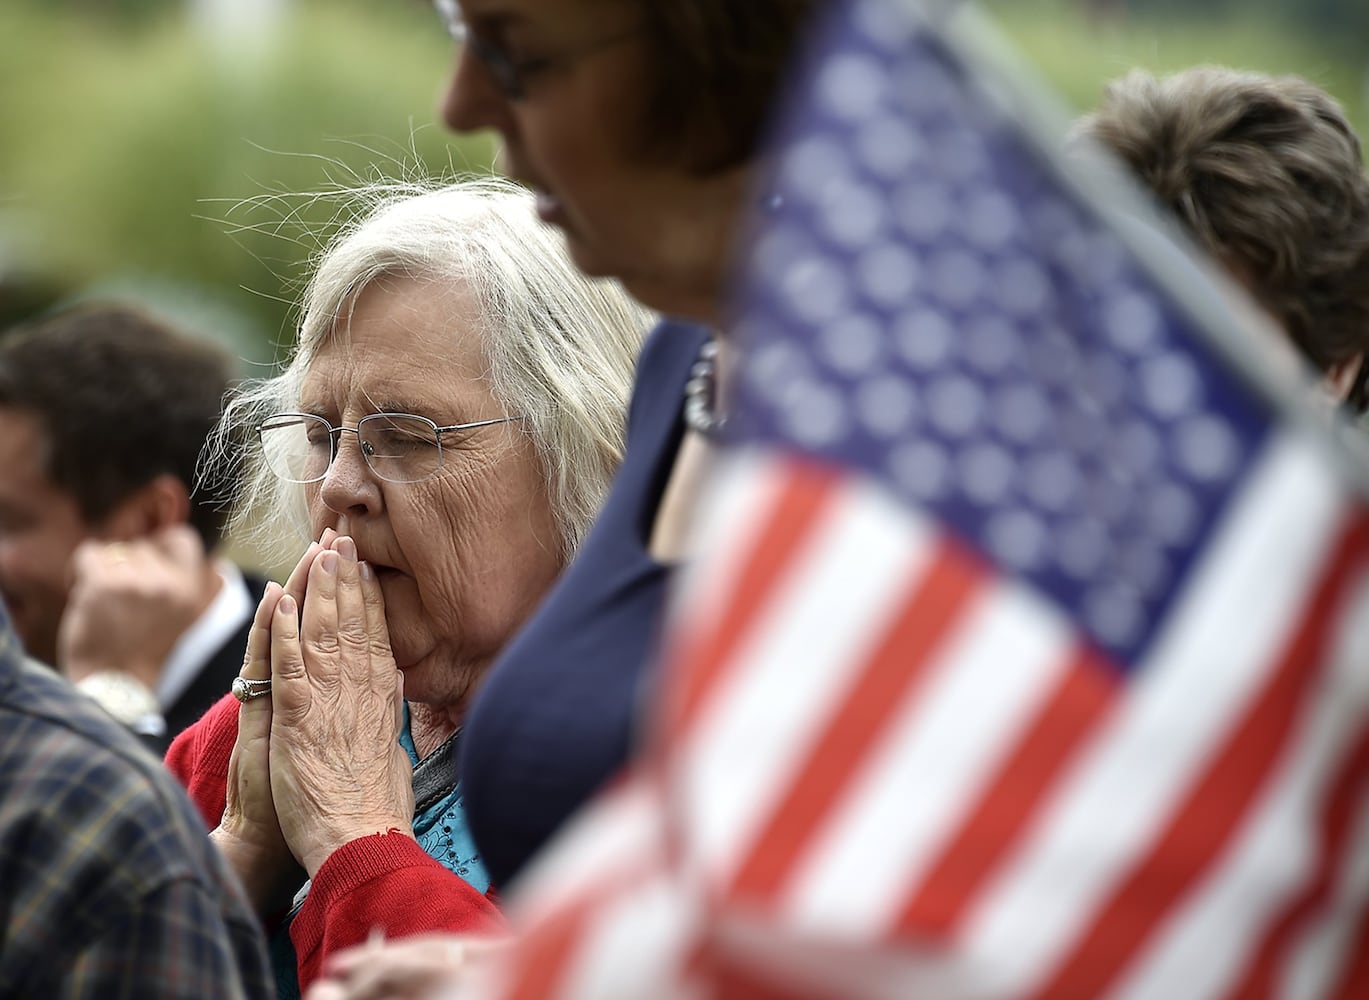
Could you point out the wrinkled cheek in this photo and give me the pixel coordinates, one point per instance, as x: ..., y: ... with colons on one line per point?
x: 405, y: 640
x: 402, y: 620
x: 320, y: 516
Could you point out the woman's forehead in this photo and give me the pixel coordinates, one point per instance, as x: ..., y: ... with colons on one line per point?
x: 407, y: 317
x: 385, y: 374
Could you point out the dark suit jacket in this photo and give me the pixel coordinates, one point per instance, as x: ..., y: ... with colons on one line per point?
x: 214, y: 678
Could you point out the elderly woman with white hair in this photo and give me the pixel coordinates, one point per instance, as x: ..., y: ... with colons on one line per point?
x: 447, y: 427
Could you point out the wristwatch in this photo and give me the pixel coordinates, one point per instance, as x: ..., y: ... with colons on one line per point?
x: 127, y: 699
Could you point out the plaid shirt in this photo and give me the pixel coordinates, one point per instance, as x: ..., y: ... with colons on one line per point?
x: 109, y: 886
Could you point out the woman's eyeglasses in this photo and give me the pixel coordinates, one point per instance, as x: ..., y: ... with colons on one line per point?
x: 508, y: 73
x: 397, y: 447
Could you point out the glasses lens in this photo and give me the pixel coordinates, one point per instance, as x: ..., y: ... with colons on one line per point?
x: 494, y: 58
x: 450, y: 13
x: 498, y: 63
x: 298, y: 447
x: 400, y: 447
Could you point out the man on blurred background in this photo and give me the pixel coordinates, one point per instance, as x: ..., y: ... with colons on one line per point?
x: 103, y: 534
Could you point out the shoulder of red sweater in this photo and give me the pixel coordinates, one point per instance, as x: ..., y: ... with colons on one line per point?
x: 207, y: 737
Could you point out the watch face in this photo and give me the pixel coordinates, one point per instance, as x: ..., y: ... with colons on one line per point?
x: 125, y: 698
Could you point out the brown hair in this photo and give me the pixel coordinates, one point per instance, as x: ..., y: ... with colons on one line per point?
x: 122, y: 398
x: 1268, y: 175
x: 716, y: 70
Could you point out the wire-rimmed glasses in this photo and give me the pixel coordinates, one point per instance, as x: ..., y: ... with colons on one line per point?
x: 508, y: 73
x: 397, y: 447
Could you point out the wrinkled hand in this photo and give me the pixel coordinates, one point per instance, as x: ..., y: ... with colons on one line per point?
x: 130, y: 602
x: 415, y: 968
x: 338, y: 771
x: 249, y: 834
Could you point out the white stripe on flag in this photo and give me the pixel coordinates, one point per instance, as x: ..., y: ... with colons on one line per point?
x: 1214, y: 654
x: 1320, y: 956
x: 633, y: 945
x: 1205, y: 947
x: 804, y: 650
x: 997, y: 665
x: 740, y: 494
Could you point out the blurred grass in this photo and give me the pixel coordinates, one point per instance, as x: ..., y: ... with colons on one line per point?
x: 1077, y: 57
x: 128, y: 144
x: 128, y: 148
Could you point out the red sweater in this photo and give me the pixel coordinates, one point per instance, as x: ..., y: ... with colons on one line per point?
x: 384, y: 881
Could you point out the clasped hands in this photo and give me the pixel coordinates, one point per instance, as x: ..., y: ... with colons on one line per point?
x: 318, y: 764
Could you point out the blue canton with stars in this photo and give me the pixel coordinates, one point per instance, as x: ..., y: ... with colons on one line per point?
x: 928, y: 305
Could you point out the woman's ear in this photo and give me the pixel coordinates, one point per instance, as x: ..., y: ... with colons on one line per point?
x: 1340, y: 377
x: 159, y: 503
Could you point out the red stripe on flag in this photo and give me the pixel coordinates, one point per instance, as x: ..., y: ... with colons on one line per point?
x: 1218, y: 797
x: 1354, y: 980
x: 699, y: 660
x: 1081, y: 700
x: 1342, y: 804
x: 899, y: 661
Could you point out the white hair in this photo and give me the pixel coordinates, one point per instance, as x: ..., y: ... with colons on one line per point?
x: 560, y: 347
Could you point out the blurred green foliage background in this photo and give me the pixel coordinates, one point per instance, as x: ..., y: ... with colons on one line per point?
x: 143, y: 151
x: 146, y: 152
x: 1078, y: 45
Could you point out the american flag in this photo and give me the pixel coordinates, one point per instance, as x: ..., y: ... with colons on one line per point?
x: 1028, y: 656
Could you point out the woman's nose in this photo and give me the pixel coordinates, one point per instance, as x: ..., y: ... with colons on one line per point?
x: 350, y: 487
x: 472, y: 101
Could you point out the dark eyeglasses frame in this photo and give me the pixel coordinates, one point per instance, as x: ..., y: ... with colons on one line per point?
x: 508, y: 75
x: 335, y: 436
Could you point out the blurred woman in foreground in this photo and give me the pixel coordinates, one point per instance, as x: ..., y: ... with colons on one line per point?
x: 637, y: 123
